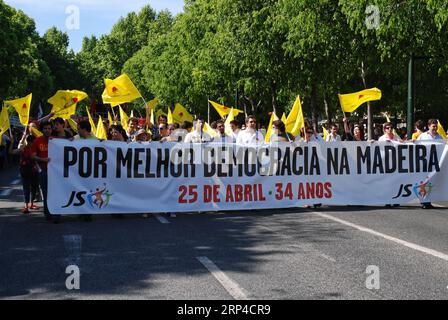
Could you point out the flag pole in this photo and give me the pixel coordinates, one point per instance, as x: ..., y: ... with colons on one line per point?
x: 146, y: 109
x: 146, y: 105
x: 343, y: 117
x: 113, y: 112
x: 208, y: 109
x: 120, y: 115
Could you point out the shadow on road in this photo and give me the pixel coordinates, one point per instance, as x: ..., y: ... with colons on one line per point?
x: 130, y: 254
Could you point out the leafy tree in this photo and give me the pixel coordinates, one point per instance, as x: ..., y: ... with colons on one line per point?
x: 21, y: 65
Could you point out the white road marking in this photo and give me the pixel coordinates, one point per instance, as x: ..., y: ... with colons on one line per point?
x: 232, y: 287
x: 160, y: 218
x: 6, y: 192
x: 411, y: 245
x: 438, y: 205
x: 323, y: 255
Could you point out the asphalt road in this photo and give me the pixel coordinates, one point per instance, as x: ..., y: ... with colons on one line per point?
x: 285, y: 254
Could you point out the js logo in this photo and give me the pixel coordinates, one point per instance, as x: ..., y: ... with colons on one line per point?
x: 79, y: 201
x: 404, y: 192
x: 421, y: 190
x: 98, y: 198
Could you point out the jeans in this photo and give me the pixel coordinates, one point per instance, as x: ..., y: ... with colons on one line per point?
x: 30, y: 187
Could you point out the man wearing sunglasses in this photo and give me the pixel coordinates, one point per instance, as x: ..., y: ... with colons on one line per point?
x: 310, y: 136
x: 429, y: 135
x: 162, y: 132
x: 389, y: 134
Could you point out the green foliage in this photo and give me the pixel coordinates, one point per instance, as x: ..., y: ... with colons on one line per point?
x: 269, y: 51
x: 22, y: 66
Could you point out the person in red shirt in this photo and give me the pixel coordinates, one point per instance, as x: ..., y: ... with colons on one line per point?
x: 28, y: 170
x: 39, y: 153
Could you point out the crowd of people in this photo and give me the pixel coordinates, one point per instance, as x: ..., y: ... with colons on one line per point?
x: 32, y: 150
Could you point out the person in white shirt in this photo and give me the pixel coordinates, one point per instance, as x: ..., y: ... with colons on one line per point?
x: 250, y: 136
x: 223, y: 137
x: 431, y: 134
x: 389, y: 134
x: 198, y: 135
x: 333, y: 136
x: 235, y: 125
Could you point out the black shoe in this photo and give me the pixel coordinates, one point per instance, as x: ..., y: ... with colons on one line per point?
x: 428, y: 206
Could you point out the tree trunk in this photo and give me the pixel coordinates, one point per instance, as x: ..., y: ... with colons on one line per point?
x: 327, y: 108
x: 274, y: 97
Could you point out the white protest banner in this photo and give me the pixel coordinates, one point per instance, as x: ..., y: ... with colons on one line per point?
x: 93, y: 177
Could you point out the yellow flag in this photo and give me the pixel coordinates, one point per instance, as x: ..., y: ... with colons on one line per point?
x: 152, y: 104
x: 209, y: 130
x: 295, y: 120
x: 73, y: 124
x: 65, y: 101
x: 109, y: 117
x: 124, y: 119
x: 223, y: 110
x: 101, y: 130
x: 440, y: 130
x: 92, y: 124
x: 4, y: 121
x: 325, y: 131
x: 22, y: 106
x: 284, y: 118
x: 227, y: 126
x: 150, y: 107
x: 170, y: 116
x: 120, y: 90
x: 350, y: 102
x: 36, y: 132
x: 269, y: 130
x: 180, y: 114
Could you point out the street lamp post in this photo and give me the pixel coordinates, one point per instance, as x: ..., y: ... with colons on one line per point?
x: 410, y: 113
x: 411, y: 92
